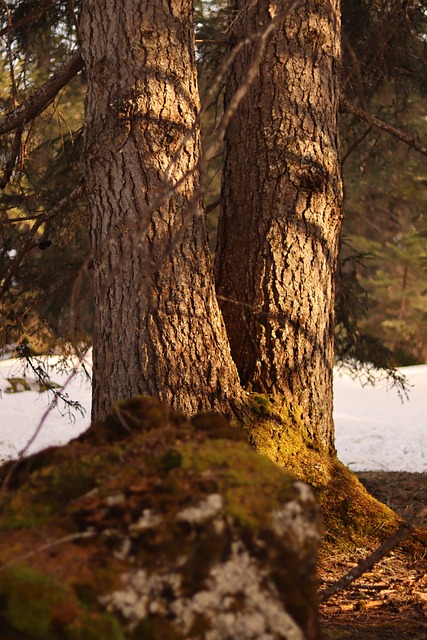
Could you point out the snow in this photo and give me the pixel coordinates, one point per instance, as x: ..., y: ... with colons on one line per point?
x: 378, y: 431
x: 21, y: 413
x: 375, y: 430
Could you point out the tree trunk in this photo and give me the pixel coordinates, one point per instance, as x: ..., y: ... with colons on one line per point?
x: 281, y: 209
x: 158, y: 328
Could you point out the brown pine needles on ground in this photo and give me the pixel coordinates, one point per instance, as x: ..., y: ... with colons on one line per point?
x: 390, y: 601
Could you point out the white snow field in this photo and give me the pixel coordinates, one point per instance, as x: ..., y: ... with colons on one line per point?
x: 374, y: 429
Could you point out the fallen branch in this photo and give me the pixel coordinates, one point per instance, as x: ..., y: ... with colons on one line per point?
x: 373, y: 121
x: 367, y: 563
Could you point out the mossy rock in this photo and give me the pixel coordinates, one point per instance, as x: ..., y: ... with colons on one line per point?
x: 160, y: 528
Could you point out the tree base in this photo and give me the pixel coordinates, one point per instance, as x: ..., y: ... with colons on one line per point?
x: 352, y: 517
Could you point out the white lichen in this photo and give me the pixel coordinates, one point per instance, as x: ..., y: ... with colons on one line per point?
x: 295, y: 522
x: 125, y: 547
x: 116, y: 500
x: 238, y: 601
x: 205, y: 510
x: 148, y: 520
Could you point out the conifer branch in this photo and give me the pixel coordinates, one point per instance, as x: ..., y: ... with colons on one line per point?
x: 42, y: 97
x: 30, y: 242
x: 347, y: 107
x: 29, y: 17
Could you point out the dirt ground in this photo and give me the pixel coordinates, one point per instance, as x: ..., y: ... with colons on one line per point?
x: 389, y: 602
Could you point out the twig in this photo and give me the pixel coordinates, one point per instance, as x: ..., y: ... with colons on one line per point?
x: 373, y: 121
x: 10, y: 164
x: 49, y: 545
x: 30, y: 243
x: 50, y: 407
x: 40, y: 8
x: 357, y: 71
x: 355, y: 144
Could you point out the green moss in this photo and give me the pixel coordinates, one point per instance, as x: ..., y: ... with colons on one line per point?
x: 216, y: 427
x: 351, y: 516
x: 101, y: 580
x: 59, y: 477
x: 95, y: 627
x: 238, y: 470
x: 171, y: 459
x: 39, y: 607
x: 263, y: 404
x: 29, y: 601
x: 47, y: 491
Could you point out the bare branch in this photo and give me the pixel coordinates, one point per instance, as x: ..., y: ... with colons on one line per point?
x: 36, y: 103
x: 70, y: 538
x: 355, y: 144
x: 357, y: 72
x: 58, y: 394
x: 373, y: 121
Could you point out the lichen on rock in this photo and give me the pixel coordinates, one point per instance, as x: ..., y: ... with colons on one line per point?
x: 238, y: 600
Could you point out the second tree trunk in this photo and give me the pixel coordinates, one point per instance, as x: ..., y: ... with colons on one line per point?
x: 281, y: 210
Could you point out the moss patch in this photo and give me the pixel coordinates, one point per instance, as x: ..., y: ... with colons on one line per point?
x: 57, y: 479
x: 37, y: 606
x: 352, y: 517
x: 250, y: 483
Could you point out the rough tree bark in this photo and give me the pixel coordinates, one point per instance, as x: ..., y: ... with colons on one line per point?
x: 158, y: 329
x: 281, y: 209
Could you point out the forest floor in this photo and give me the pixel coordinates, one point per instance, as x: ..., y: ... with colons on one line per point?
x: 390, y: 601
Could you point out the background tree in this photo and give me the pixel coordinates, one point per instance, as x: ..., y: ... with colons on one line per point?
x: 43, y: 246
x: 385, y: 64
